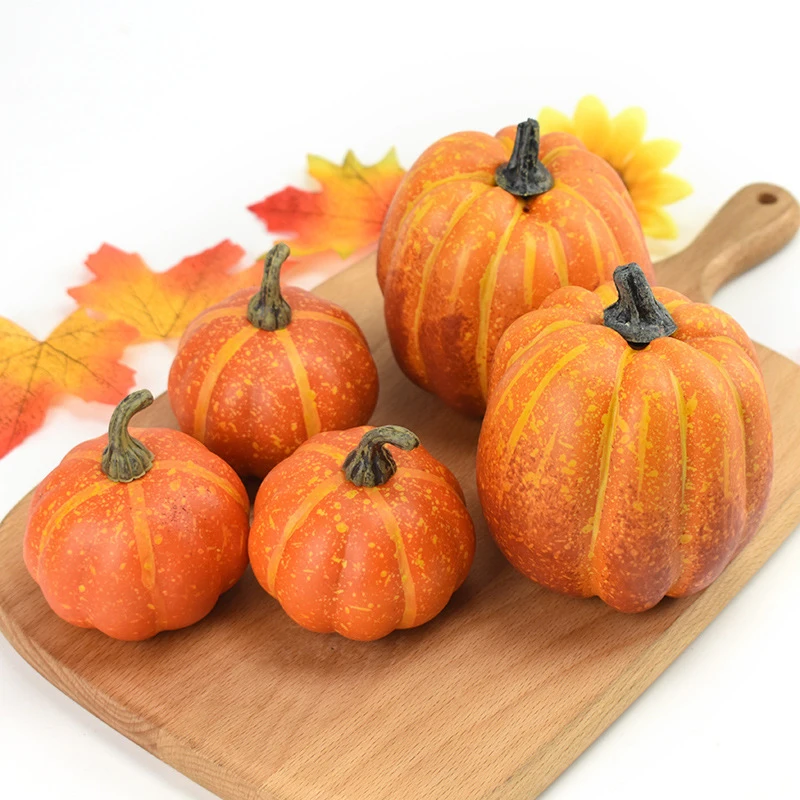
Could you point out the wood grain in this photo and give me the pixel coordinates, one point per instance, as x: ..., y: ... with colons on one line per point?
x: 493, y: 699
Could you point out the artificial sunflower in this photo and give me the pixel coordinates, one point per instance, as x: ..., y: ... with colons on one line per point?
x: 640, y: 164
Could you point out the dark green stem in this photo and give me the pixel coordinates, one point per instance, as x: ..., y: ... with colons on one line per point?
x: 125, y: 459
x: 371, y: 464
x: 637, y: 316
x: 524, y: 175
x: 267, y: 308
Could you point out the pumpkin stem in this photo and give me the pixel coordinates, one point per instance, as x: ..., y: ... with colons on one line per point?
x: 125, y: 459
x: 267, y: 309
x: 637, y: 316
x: 371, y: 464
x: 524, y: 175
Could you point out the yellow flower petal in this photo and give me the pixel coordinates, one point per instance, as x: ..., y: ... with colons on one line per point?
x: 650, y: 157
x: 551, y: 121
x: 656, y: 222
x: 627, y: 132
x: 659, y: 189
x: 592, y: 124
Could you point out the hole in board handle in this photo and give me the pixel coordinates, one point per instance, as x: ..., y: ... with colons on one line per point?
x: 767, y: 198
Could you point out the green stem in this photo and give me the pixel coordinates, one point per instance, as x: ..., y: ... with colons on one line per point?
x: 524, y: 175
x: 637, y: 316
x: 267, y: 308
x: 371, y: 464
x: 125, y: 459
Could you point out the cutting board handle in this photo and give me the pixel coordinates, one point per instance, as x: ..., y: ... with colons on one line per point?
x: 754, y: 224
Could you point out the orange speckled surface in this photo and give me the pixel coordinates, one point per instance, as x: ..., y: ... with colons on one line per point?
x: 252, y: 396
x: 636, y: 473
x: 460, y: 258
x: 133, y: 559
x: 361, y: 561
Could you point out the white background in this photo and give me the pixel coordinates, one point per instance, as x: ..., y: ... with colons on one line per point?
x: 151, y: 125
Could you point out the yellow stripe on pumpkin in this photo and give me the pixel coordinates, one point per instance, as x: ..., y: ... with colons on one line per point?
x: 488, y: 285
x: 145, y: 550
x: 524, y: 417
x: 486, y: 178
x: 301, y: 513
x: 609, y: 434
x: 77, y: 499
x: 307, y: 395
x: 196, y: 471
x: 406, y: 581
x: 427, y: 269
x: 557, y: 253
x: 429, y: 477
x: 325, y: 449
x: 683, y: 425
x: 601, y: 262
x: 529, y: 268
x: 218, y: 364
x: 641, y: 454
x: 318, y: 316
x: 211, y: 316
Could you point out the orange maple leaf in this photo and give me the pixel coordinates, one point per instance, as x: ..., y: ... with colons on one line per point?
x: 161, y: 304
x: 80, y: 357
x: 344, y: 216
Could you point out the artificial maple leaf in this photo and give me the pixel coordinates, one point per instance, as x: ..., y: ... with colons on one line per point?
x: 159, y: 304
x: 80, y: 357
x: 344, y: 216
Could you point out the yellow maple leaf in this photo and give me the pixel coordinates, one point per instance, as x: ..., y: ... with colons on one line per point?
x: 160, y: 304
x: 344, y: 216
x: 80, y: 357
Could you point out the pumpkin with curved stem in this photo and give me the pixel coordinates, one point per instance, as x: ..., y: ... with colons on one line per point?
x: 625, y: 453
x: 137, y: 532
x: 351, y: 538
x: 261, y: 372
x: 481, y: 230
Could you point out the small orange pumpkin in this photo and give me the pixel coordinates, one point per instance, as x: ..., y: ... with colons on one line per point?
x: 481, y: 231
x: 625, y: 453
x: 350, y: 540
x: 257, y: 374
x: 136, y: 536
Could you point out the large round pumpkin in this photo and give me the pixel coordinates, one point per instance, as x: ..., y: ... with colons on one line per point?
x: 625, y: 453
x: 349, y: 539
x: 481, y: 231
x: 133, y: 536
x: 265, y: 369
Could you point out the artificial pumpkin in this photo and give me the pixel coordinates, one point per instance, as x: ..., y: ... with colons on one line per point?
x: 134, y: 536
x: 265, y: 369
x: 625, y: 453
x: 481, y: 231
x: 350, y: 540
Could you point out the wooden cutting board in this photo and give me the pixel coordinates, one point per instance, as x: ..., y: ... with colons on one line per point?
x: 492, y: 699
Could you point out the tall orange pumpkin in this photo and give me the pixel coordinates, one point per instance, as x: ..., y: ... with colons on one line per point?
x: 133, y: 536
x: 258, y: 374
x: 481, y: 231
x: 625, y: 453
x: 352, y: 541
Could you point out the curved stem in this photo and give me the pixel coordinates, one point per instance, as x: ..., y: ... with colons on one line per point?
x: 371, y: 464
x: 267, y: 309
x: 637, y: 316
x: 125, y: 459
x: 524, y: 175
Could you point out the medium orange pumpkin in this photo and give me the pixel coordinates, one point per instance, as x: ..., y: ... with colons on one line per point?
x: 257, y: 374
x: 481, y: 231
x: 133, y: 536
x: 350, y: 540
x: 625, y: 453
